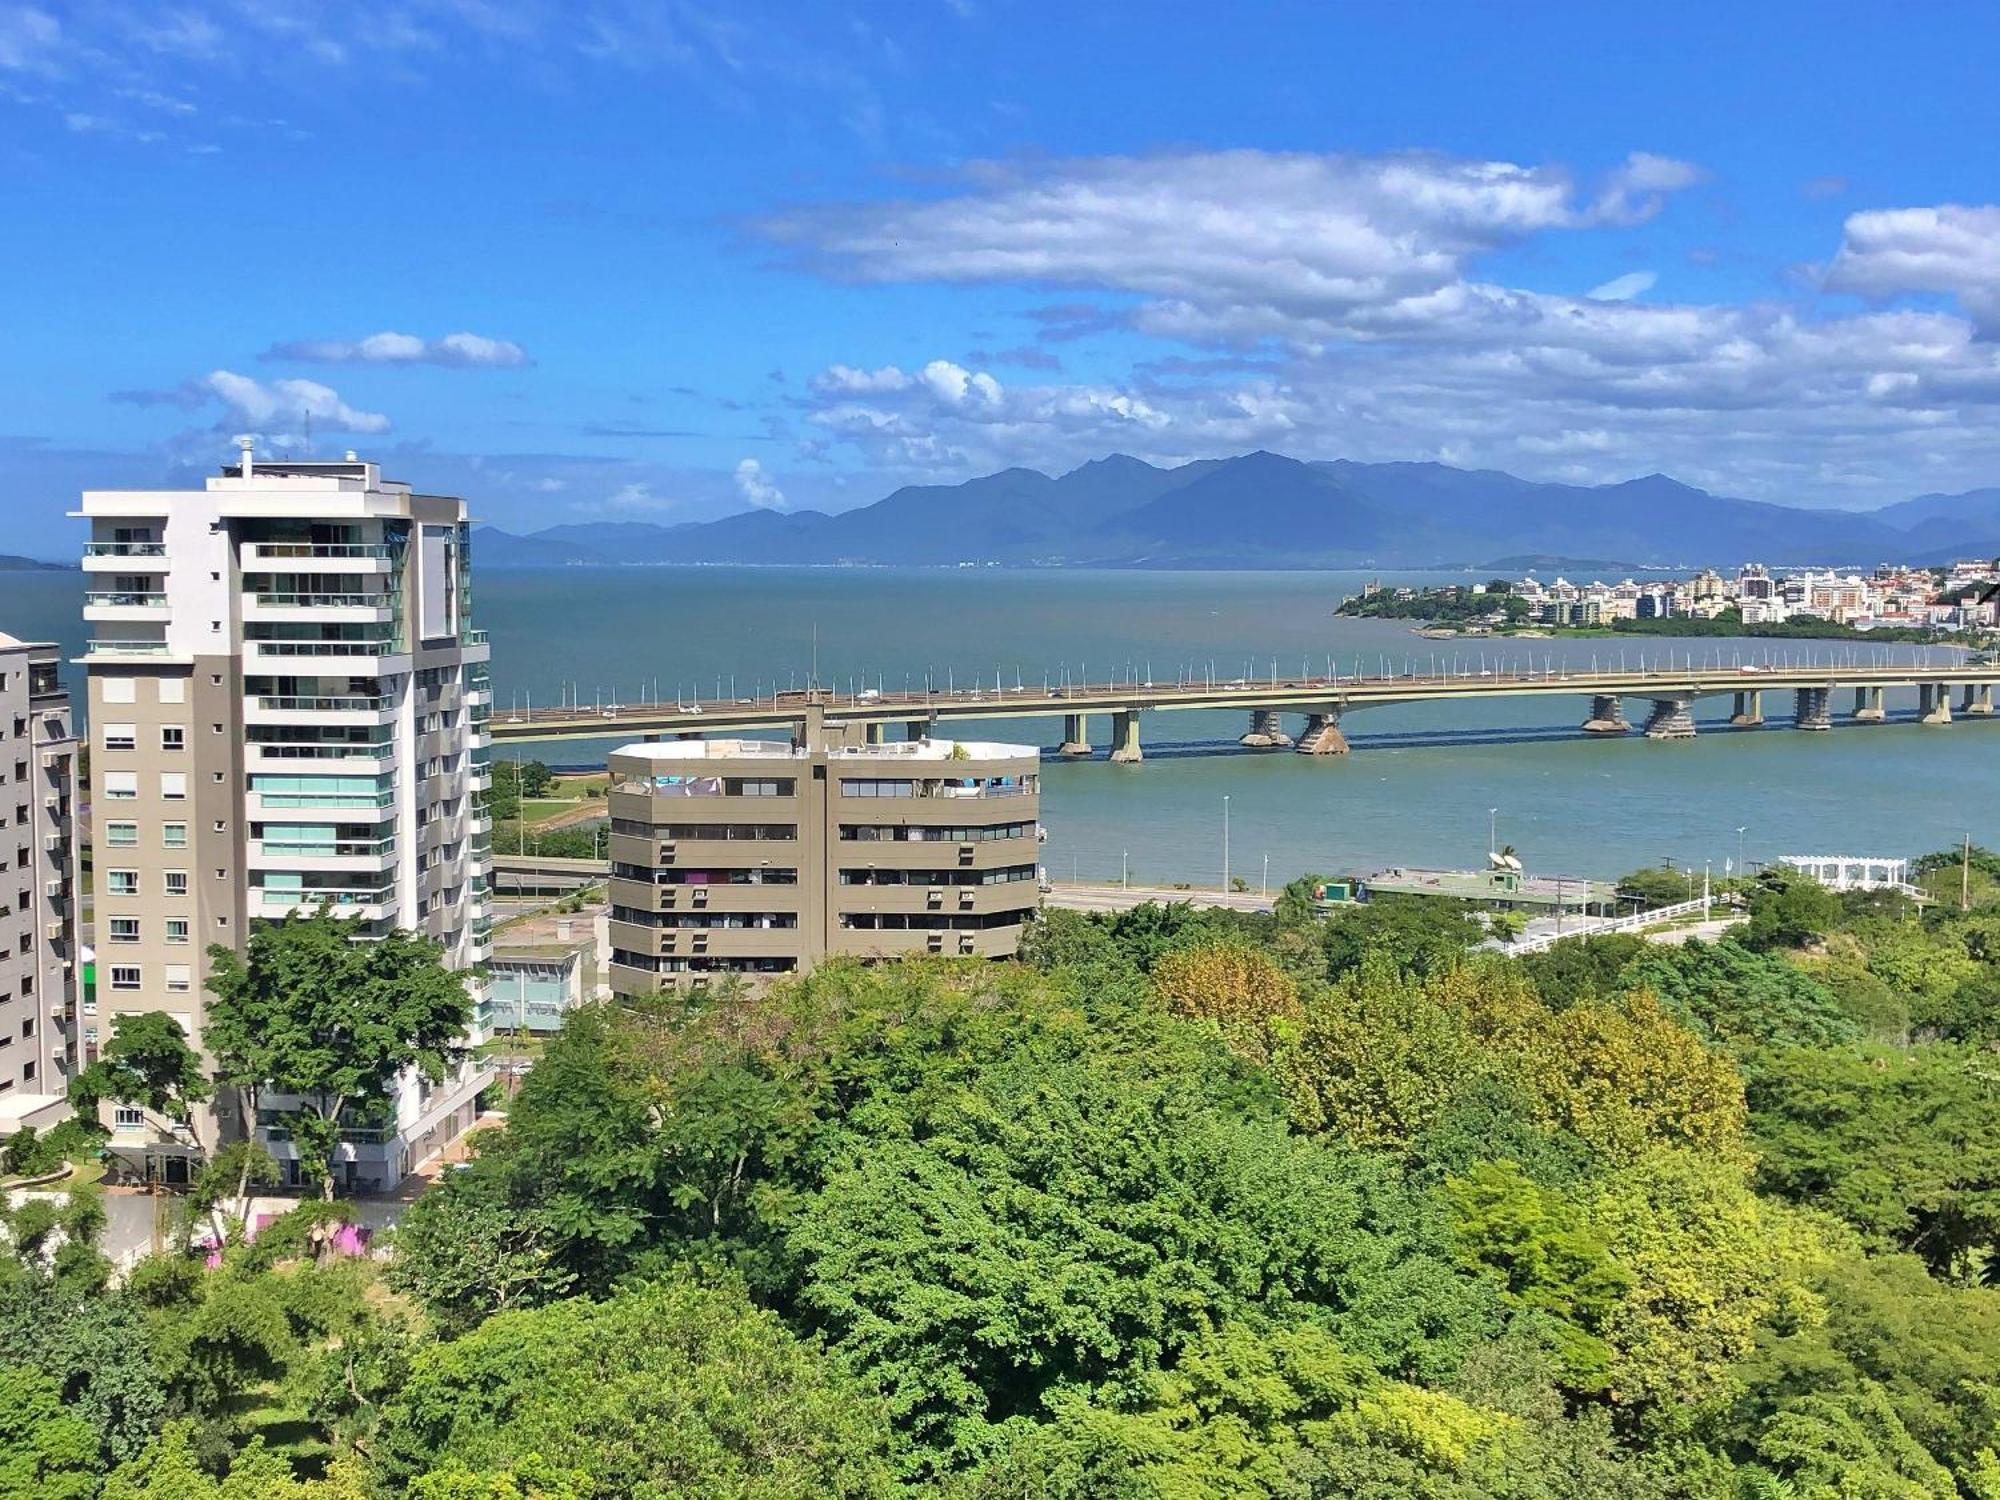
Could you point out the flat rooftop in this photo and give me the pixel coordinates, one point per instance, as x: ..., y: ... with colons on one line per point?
x: 890, y: 750
x: 1485, y: 885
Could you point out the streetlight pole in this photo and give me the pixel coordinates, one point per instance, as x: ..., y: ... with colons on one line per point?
x: 1225, y: 843
x: 1492, y: 831
x: 1124, y: 875
x: 1265, y: 891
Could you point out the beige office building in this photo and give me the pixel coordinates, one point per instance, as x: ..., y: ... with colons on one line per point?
x: 39, y: 953
x: 759, y: 858
x: 287, y: 709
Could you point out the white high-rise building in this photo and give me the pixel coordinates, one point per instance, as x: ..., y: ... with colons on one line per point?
x: 39, y: 953
x: 287, y: 708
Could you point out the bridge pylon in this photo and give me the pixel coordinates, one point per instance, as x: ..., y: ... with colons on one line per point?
x: 1125, y: 749
x: 1978, y: 699
x: 1607, y: 715
x: 1076, y: 737
x: 1810, y: 708
x: 1868, y: 707
x: 1749, y: 709
x: 1934, y: 703
x: 1671, y: 719
x: 1267, y: 731
x: 1322, y: 734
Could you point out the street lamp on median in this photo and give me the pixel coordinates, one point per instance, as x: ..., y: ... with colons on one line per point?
x: 1225, y: 843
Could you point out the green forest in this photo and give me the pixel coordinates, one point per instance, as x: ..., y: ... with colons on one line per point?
x: 1183, y: 1204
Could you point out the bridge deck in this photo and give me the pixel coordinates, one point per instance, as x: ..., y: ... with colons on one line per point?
x: 1297, y: 694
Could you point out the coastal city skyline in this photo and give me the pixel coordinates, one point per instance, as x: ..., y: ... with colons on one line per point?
x: 934, y: 241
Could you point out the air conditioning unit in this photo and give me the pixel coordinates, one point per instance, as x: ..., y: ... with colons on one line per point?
x: 53, y: 890
x: 54, y: 931
x: 54, y: 843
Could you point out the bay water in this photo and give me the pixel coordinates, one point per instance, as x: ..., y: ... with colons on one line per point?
x: 1424, y: 782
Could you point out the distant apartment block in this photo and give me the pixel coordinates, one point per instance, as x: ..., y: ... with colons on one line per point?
x: 761, y: 858
x: 287, y: 709
x: 40, y: 957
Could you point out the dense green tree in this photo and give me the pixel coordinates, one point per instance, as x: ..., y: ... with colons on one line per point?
x: 1656, y: 885
x: 1417, y: 933
x: 47, y: 1452
x: 465, y: 1256
x: 1903, y: 1145
x: 1789, y: 910
x: 1731, y: 994
x: 1583, y: 968
x: 95, y: 1348
x: 660, y: 1392
x: 1066, y: 1220
x: 1534, y: 1242
x: 536, y: 779
x: 149, y: 1065
x: 332, y: 1023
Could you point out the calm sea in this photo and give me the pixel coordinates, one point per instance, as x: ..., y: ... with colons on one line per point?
x: 1418, y: 787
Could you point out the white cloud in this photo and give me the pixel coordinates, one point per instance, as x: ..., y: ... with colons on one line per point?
x: 1224, y: 246
x: 1951, y: 248
x: 1623, y: 288
x: 28, y: 38
x: 758, y: 488
x: 456, y: 350
x: 286, y: 405
x: 635, y: 498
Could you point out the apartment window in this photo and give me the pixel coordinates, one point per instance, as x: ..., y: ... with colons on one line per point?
x: 124, y: 929
x: 121, y: 786
x: 736, y: 787
x: 180, y: 978
x: 124, y: 976
x: 123, y: 835
x: 173, y: 737
x: 174, y: 786
x: 121, y: 882
x: 27, y: 1071
x: 125, y: 1117
x: 28, y: 1027
x: 174, y: 835
x: 173, y: 690
x: 176, y: 882
x: 866, y: 787
x: 217, y: 776
x: 121, y: 689
x: 177, y: 929
x: 220, y: 826
x: 121, y: 736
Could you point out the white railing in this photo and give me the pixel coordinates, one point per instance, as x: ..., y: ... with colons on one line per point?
x: 1600, y: 926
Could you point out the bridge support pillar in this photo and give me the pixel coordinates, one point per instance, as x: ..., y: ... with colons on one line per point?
x: 1810, y: 710
x: 1322, y: 734
x: 1749, y: 709
x: 1607, y: 715
x: 1076, y: 737
x: 917, y: 729
x: 1671, y: 719
x: 1978, y: 700
x: 1868, y: 706
x: 1267, y: 731
x: 1934, y: 703
x: 1125, y: 749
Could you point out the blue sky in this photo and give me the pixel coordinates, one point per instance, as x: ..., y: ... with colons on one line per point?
x: 661, y: 261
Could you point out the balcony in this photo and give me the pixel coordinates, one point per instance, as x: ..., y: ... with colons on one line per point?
x: 125, y: 557
x: 346, y: 607
x: 118, y: 604
x: 325, y: 557
x: 357, y: 709
x: 129, y: 648
x: 355, y: 658
x: 328, y: 757
x: 345, y: 900
x: 341, y: 857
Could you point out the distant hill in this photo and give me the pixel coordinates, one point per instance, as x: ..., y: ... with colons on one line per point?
x: 9, y: 563
x: 1264, y: 510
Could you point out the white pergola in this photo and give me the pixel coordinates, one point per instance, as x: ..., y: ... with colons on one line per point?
x: 1851, y: 872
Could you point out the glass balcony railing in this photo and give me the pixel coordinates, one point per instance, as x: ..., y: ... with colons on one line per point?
x: 317, y: 549
x: 128, y: 648
x: 124, y: 549
x: 284, y: 704
x: 271, y: 897
x: 324, y: 648
x: 323, y: 752
x: 475, y: 637
x: 329, y: 800
x: 341, y: 849
x: 319, y: 601
x: 126, y: 600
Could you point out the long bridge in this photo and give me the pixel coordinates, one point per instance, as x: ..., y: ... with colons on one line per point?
x: 1666, y: 694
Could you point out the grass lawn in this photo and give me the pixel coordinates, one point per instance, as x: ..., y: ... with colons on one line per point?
x: 582, y: 786
x: 534, y: 809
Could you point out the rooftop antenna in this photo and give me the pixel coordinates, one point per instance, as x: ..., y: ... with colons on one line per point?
x: 248, y: 444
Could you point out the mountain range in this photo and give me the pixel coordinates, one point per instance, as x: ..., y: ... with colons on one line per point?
x: 1263, y: 510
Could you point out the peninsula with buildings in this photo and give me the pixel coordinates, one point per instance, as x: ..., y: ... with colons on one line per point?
x: 1891, y: 603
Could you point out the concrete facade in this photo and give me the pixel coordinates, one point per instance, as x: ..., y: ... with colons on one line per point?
x: 288, y: 706
x: 759, y: 857
x: 40, y: 956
